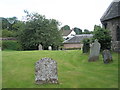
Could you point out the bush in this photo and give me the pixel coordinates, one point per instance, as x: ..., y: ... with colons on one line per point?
x: 11, y: 45
x: 103, y: 36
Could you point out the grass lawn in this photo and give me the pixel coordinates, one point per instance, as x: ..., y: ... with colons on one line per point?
x: 74, y: 70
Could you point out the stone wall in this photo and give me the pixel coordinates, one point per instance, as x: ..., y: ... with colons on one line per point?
x: 116, y: 46
x: 66, y: 46
x: 112, y: 26
x: 8, y: 38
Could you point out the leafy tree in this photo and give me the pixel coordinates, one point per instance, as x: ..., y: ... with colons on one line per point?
x: 39, y: 30
x: 12, y: 21
x: 9, y: 26
x: 86, y: 31
x: 77, y: 31
x: 18, y: 25
x: 7, y: 23
x: 103, y: 36
x: 66, y: 27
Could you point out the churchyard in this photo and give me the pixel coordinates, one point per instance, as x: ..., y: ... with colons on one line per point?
x: 73, y: 68
x: 38, y: 54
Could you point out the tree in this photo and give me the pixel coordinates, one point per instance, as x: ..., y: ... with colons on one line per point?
x: 12, y: 21
x: 77, y: 30
x: 18, y: 25
x: 7, y: 23
x: 86, y: 31
x: 39, y: 30
x: 103, y: 36
x: 66, y: 27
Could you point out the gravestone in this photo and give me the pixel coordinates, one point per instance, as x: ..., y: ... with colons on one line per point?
x: 40, y: 47
x: 86, y: 48
x: 49, y: 48
x: 107, y: 57
x: 46, y: 71
x: 94, y: 51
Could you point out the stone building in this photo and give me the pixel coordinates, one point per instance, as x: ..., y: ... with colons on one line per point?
x: 111, y: 21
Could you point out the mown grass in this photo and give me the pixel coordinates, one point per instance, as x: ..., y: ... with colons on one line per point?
x: 74, y: 70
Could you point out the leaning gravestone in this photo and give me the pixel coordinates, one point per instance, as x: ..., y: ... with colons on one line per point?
x: 46, y: 71
x: 40, y: 47
x: 94, y: 51
x: 107, y: 57
x: 49, y: 48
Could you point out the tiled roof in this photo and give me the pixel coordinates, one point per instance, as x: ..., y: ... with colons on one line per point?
x: 77, y: 38
x: 113, y: 11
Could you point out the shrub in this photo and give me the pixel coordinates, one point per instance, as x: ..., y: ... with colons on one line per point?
x: 11, y: 45
x: 103, y: 36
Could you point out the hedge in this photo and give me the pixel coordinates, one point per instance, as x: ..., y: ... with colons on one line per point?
x: 11, y: 45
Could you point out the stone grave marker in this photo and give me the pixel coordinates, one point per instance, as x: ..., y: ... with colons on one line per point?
x: 85, y: 48
x: 46, y: 71
x: 40, y: 47
x: 94, y: 51
x: 107, y: 57
x: 49, y: 48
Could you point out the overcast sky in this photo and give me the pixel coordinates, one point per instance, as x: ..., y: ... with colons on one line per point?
x: 83, y: 14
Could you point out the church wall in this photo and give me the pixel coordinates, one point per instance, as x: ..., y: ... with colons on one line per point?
x: 112, y: 26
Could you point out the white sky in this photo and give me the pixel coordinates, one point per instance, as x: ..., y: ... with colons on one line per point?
x: 83, y: 14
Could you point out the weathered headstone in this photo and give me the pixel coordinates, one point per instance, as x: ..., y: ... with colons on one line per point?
x: 46, y: 71
x: 94, y: 51
x: 86, y: 48
x: 107, y: 57
x: 40, y: 47
x: 49, y: 48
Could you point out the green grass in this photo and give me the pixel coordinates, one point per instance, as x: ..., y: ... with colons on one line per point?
x: 74, y: 70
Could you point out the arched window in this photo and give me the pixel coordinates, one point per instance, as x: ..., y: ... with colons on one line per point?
x: 118, y: 33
